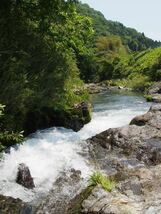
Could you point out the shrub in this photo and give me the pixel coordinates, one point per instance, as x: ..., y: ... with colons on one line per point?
x: 98, y: 178
x: 148, y: 98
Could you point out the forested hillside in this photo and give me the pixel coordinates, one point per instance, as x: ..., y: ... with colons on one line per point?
x: 39, y: 77
x: 134, y: 40
x: 118, y: 52
x: 138, y: 70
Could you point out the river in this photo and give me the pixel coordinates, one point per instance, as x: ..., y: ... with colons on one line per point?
x: 49, y: 152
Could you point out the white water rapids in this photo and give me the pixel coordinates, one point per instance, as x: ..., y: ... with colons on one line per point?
x: 49, y: 152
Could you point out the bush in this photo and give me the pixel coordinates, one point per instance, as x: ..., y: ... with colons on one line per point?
x: 148, y: 98
x: 98, y: 178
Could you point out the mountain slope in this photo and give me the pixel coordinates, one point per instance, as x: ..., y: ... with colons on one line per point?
x: 134, y: 40
x: 145, y: 63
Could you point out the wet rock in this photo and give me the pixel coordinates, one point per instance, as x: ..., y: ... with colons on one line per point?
x: 10, y: 205
x: 60, y: 199
x: 24, y: 177
x: 80, y: 116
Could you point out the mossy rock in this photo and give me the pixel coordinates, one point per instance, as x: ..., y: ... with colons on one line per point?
x: 74, y: 118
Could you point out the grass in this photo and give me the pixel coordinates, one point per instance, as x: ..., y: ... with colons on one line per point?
x: 98, y: 178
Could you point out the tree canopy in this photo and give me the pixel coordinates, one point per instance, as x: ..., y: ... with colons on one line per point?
x: 39, y: 44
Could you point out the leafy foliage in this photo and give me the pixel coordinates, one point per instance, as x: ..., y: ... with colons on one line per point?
x: 147, y: 63
x: 39, y: 44
x: 98, y: 178
x: 8, y: 138
x: 111, y: 43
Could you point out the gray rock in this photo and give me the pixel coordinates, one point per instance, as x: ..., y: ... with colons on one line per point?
x: 139, y: 194
x: 133, y: 154
x: 141, y: 139
x: 155, y: 89
x: 24, y: 177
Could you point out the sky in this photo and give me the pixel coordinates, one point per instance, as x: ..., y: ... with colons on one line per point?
x: 143, y: 15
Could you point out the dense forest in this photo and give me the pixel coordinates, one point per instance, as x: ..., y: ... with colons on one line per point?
x: 48, y: 49
x: 39, y: 78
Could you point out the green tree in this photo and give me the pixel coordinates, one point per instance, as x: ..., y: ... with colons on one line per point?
x: 39, y: 44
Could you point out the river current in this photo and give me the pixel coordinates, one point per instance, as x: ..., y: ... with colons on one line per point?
x: 49, y: 152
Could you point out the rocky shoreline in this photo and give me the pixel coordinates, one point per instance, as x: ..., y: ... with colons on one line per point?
x: 132, y: 156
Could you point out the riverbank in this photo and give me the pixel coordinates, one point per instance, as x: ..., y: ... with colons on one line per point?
x: 131, y: 156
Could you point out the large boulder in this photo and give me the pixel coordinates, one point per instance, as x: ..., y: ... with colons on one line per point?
x: 24, y: 177
x: 142, y: 136
x: 59, y: 199
x: 74, y: 118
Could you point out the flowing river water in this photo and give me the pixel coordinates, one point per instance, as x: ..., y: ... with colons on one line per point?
x: 49, y: 152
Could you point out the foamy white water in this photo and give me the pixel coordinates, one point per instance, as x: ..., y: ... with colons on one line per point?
x: 52, y: 151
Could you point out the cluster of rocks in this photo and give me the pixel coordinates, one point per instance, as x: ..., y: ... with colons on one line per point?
x: 132, y: 156
x: 95, y: 88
